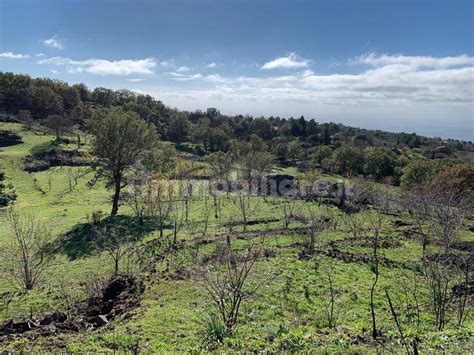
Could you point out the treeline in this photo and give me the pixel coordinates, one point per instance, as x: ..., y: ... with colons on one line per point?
x: 298, y: 142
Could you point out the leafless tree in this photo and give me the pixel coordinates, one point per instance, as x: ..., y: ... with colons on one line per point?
x: 243, y: 200
x: 331, y: 300
x: 60, y: 125
x: 439, y: 277
x: 355, y: 223
x: 335, y: 218
x: 221, y: 165
x: 26, y: 256
x: 116, y: 249
x: 397, y: 322
x: 139, y: 198
x: 439, y: 211
x: 463, y: 289
x: 177, y: 217
x: 67, y: 294
x: 155, y: 198
x: 255, y: 166
x: 162, y: 204
x: 316, y: 223
x: 376, y: 224
x: 205, y: 212
x: 288, y: 208
x: 418, y: 206
x: 228, y: 283
x: 73, y: 174
x: 24, y: 116
x: 411, y: 288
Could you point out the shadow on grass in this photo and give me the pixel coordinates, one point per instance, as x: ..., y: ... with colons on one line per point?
x: 82, y: 239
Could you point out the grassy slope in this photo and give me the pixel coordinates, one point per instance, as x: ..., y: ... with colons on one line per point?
x: 173, y: 312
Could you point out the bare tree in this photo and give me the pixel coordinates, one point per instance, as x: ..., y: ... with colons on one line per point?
x: 246, y: 208
x: 73, y: 174
x: 26, y: 255
x: 255, y: 166
x: 288, y: 208
x: 376, y: 223
x: 331, y: 301
x: 155, y: 198
x: 205, y: 212
x: 139, y: 198
x: 58, y: 124
x: 221, y: 166
x: 397, y: 322
x: 355, y: 223
x: 439, y: 213
x: 162, y: 202
x: 116, y: 249
x: 228, y: 284
x: 24, y: 116
x: 440, y: 280
x: 439, y: 209
x: 335, y: 218
x: 316, y: 223
x: 411, y: 289
x: 463, y: 290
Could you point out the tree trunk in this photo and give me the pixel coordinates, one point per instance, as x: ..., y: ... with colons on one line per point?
x: 118, y: 187
x: 372, y: 310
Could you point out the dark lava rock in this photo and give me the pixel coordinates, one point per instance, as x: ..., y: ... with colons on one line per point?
x: 99, y: 320
x: 56, y: 317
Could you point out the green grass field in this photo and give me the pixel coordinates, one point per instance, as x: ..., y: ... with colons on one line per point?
x: 287, y: 313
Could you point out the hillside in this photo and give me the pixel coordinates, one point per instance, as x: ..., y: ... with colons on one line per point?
x: 314, y: 255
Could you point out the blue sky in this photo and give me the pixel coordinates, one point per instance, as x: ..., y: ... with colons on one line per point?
x: 396, y: 65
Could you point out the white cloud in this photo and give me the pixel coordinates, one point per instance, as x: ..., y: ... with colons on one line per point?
x: 212, y: 65
x: 291, y: 61
x: 39, y: 55
x: 183, y: 69
x: 166, y: 63
x: 53, y: 42
x: 390, y: 84
x: 185, y: 77
x: 54, y: 71
x: 213, y: 78
x: 74, y: 70
x: 11, y: 55
x: 103, y: 66
x: 414, y: 61
x: 136, y: 80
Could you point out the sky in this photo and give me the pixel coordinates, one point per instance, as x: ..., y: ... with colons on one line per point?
x: 398, y: 65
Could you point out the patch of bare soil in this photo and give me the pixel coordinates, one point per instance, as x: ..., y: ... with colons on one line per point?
x: 453, y: 260
x: 117, y: 297
x: 465, y: 245
x: 383, y: 242
x: 258, y: 233
x: 349, y: 257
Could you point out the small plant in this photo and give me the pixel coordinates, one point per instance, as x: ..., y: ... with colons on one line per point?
x: 273, y: 332
x: 216, y: 331
x: 269, y: 253
x: 294, y: 341
x: 95, y: 218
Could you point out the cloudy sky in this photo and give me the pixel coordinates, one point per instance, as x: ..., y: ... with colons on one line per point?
x: 388, y: 64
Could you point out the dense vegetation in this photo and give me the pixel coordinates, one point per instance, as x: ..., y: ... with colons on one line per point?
x: 225, y: 233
